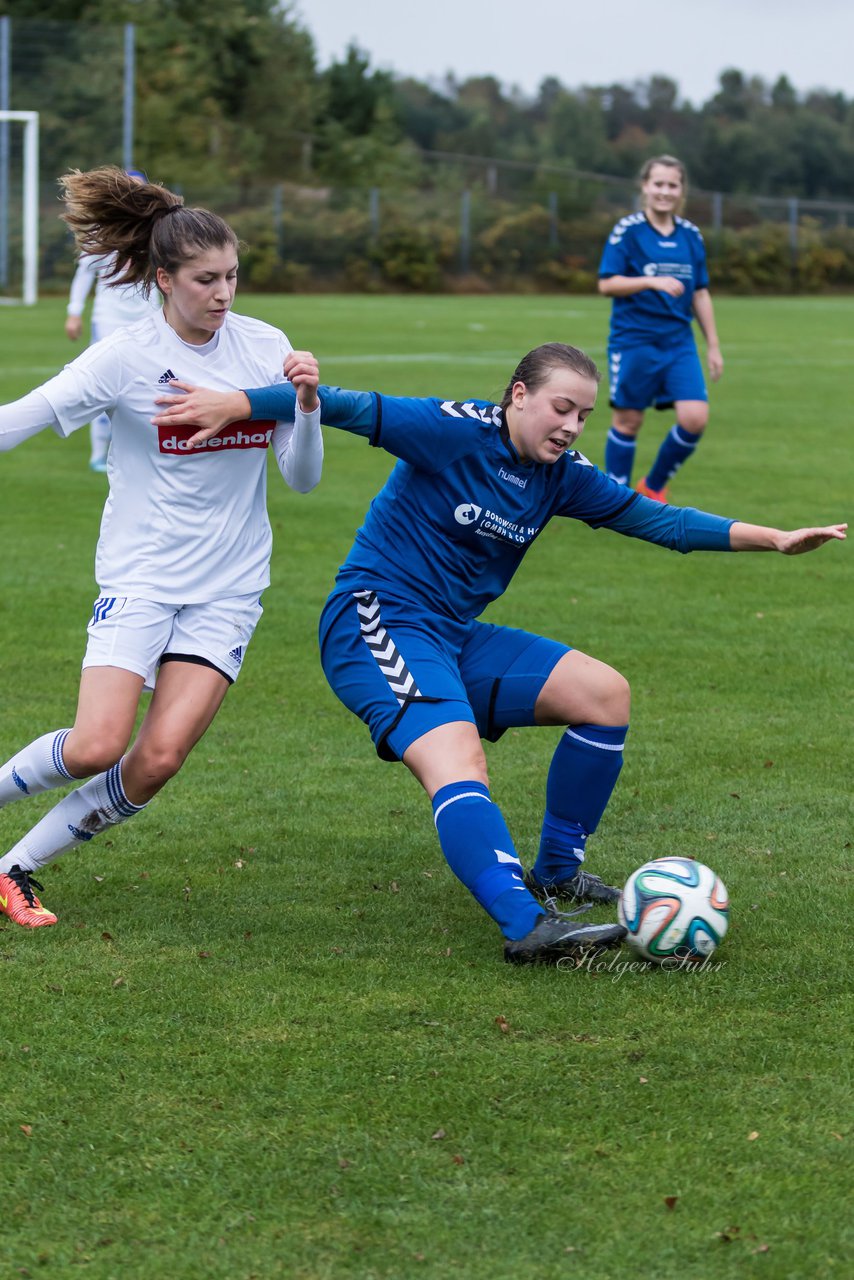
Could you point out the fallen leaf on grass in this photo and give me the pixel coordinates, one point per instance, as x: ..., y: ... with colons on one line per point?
x: 438, y: 1135
x: 751, y: 1137
x: 98, y: 879
x: 763, y: 1248
x: 205, y: 955
x: 118, y: 982
x: 458, y: 1159
x: 343, y: 1164
x: 106, y: 937
x: 502, y: 1024
x: 642, y: 1080
x: 394, y: 886
x: 27, y: 1130
x: 671, y: 1201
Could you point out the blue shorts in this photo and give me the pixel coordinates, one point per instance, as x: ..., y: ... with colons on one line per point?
x: 405, y: 671
x: 659, y: 375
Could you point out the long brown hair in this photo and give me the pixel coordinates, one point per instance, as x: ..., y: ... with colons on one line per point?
x: 142, y: 225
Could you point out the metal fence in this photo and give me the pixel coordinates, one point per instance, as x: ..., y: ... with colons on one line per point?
x: 462, y: 222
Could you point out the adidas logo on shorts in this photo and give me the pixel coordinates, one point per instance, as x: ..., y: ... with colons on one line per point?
x: 236, y: 655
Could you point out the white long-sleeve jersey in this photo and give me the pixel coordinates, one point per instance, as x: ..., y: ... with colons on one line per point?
x: 180, y: 525
x: 113, y: 305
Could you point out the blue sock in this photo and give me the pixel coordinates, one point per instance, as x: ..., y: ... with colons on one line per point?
x: 676, y: 447
x: 480, y: 852
x: 582, y: 775
x: 620, y: 455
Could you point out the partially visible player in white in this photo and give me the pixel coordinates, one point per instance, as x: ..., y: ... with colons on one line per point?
x: 185, y: 541
x: 113, y: 307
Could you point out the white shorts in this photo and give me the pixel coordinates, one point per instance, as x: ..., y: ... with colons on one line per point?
x: 137, y: 635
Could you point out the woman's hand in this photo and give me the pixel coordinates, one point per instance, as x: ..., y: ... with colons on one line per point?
x: 715, y: 361
x: 73, y: 327
x: 667, y: 284
x: 200, y: 407
x: 799, y: 541
x: 789, y: 542
x: 302, y: 371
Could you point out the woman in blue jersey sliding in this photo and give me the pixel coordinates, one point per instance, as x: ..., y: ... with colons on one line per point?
x: 474, y: 485
x: 654, y: 268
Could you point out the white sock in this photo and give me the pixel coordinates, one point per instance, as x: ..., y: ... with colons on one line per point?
x: 36, y: 768
x: 100, y: 803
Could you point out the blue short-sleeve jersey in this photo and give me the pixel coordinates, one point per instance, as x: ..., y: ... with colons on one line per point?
x: 635, y: 248
x: 459, y: 510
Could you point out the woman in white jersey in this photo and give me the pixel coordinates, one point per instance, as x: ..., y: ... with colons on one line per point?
x: 112, y: 308
x: 184, y: 548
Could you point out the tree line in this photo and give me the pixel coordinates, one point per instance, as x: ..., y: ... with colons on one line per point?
x: 231, y: 91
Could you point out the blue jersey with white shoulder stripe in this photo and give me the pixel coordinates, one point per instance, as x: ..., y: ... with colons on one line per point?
x: 635, y: 248
x: 459, y: 510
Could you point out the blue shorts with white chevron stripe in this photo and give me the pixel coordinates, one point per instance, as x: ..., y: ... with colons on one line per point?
x: 405, y: 671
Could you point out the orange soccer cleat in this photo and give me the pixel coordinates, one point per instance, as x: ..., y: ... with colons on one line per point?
x: 657, y: 495
x: 18, y: 901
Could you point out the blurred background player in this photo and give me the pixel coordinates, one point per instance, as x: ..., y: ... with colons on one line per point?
x: 184, y: 548
x: 654, y: 267
x: 401, y: 644
x: 113, y: 307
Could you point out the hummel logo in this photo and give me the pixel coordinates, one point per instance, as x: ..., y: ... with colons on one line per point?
x: 4, y: 902
x: 19, y: 781
x: 236, y: 655
x: 166, y: 377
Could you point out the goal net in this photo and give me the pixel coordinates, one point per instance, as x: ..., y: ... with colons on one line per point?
x: 19, y: 213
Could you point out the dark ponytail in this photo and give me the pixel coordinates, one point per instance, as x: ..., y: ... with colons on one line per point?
x: 142, y: 225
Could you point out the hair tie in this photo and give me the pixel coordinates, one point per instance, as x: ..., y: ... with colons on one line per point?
x: 173, y: 208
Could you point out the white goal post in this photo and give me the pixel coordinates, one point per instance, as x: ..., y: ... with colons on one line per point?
x: 30, y: 202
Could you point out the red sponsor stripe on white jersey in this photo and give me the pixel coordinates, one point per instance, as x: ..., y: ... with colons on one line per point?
x: 240, y: 435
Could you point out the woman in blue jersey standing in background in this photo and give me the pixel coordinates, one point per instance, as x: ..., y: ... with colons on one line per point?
x: 401, y: 646
x: 654, y: 268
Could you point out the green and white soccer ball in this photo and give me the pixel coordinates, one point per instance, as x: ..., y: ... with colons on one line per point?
x: 674, y: 909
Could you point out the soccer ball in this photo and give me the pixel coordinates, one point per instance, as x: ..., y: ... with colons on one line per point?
x: 674, y: 909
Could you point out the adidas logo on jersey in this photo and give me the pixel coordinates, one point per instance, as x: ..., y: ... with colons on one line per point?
x: 236, y: 655
x: 166, y: 377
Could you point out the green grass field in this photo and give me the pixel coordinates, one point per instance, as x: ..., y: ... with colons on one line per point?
x: 272, y: 1036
